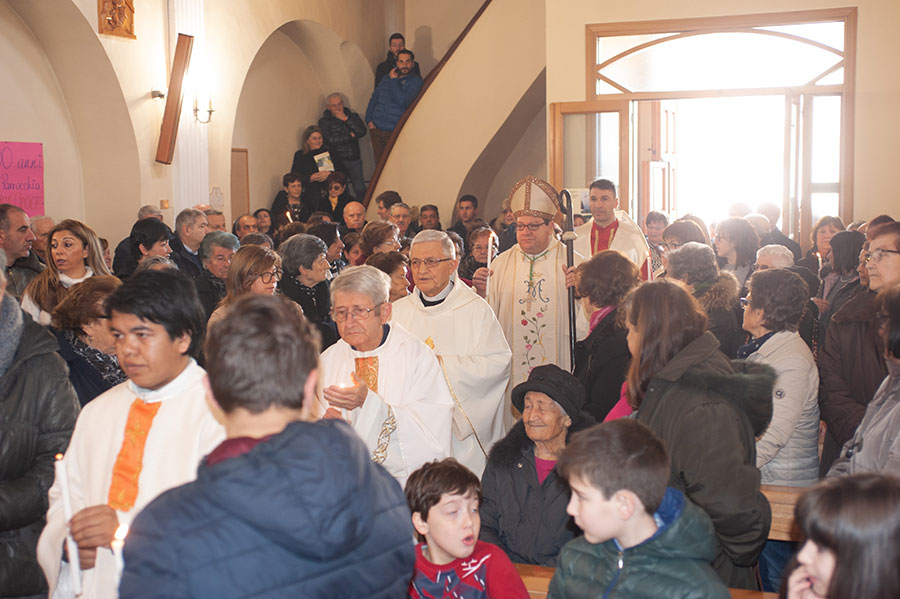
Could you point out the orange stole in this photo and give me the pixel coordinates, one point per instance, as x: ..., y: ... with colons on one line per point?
x: 123, y: 488
x: 367, y: 370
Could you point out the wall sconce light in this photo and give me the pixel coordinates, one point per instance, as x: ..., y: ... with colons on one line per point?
x: 208, y: 111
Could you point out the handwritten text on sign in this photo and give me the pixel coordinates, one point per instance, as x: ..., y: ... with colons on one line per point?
x: 22, y: 175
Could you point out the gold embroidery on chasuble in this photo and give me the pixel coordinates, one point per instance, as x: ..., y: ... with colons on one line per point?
x: 123, y: 488
x: 367, y: 370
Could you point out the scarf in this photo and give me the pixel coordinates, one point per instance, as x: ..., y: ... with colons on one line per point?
x: 217, y: 283
x: 599, y: 315
x: 105, y: 364
x: 11, y: 326
x: 744, y: 351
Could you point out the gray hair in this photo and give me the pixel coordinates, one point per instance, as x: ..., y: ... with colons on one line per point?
x: 36, y: 219
x: 149, y: 211
x: 693, y: 263
x: 212, y: 212
x: 187, y: 218
x: 150, y: 261
x: 300, y: 250
x: 3, y: 264
x: 782, y: 257
x: 367, y: 280
x: 217, y: 239
x: 334, y: 95
x: 434, y: 235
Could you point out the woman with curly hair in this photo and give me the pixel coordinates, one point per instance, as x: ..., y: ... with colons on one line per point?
x: 74, y: 254
x: 254, y: 269
x: 736, y: 243
x: 378, y: 237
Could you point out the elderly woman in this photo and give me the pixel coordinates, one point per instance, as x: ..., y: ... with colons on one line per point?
x: 264, y: 221
x: 875, y: 447
x: 602, y: 357
x: 523, y: 508
x: 305, y: 273
x: 483, y: 243
x: 74, y: 254
x: 378, y: 236
x: 707, y: 413
x: 788, y: 452
x: 254, y: 269
x: 216, y: 252
x: 718, y: 292
x: 396, y: 266
x: 736, y: 243
x: 85, y: 341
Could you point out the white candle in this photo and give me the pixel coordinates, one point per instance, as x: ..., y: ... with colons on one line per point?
x: 71, y: 546
x: 116, y: 545
x: 819, y: 258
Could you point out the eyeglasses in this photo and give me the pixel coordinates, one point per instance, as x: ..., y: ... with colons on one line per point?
x: 357, y: 312
x: 745, y: 303
x: 533, y: 227
x: 671, y: 246
x: 429, y: 263
x: 877, y: 255
x: 267, y: 277
x: 394, y: 243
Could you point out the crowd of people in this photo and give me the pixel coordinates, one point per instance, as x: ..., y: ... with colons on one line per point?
x: 281, y: 409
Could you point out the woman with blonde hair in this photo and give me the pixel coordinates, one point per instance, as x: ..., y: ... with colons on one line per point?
x: 254, y: 269
x: 73, y: 255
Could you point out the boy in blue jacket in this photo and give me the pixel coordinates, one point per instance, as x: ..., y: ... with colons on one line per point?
x: 640, y: 538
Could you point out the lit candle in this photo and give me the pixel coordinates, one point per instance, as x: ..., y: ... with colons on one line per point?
x: 287, y: 213
x: 819, y: 258
x: 71, y: 546
x: 116, y: 545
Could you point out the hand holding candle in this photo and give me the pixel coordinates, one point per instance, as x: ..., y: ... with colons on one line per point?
x: 117, y: 543
x: 71, y: 547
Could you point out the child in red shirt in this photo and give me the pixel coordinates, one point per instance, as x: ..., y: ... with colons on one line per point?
x: 451, y: 562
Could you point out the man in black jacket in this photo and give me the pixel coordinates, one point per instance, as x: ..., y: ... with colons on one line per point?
x: 342, y: 129
x: 191, y: 227
x: 396, y: 43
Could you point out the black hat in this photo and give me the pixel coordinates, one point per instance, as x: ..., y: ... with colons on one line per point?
x: 556, y: 383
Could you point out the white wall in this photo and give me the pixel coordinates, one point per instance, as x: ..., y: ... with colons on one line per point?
x: 877, y: 119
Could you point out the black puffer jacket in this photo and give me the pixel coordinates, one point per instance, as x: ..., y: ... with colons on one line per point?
x: 526, y: 519
x: 600, y: 363
x: 343, y: 136
x: 708, y: 411
x: 38, y: 408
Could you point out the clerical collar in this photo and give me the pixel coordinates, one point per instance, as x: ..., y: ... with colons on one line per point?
x: 172, y: 388
x: 429, y: 301
x: 385, y: 328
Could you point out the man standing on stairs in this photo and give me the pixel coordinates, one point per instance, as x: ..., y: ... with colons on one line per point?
x: 392, y: 96
x: 396, y: 43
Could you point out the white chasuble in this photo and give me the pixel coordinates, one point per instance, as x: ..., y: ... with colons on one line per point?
x: 529, y: 296
x: 405, y: 419
x: 183, y: 431
x: 465, y: 334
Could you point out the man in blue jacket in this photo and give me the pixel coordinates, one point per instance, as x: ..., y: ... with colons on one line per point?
x: 284, y: 507
x: 391, y: 98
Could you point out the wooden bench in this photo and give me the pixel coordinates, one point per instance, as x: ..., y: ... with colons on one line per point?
x: 537, y: 581
x: 783, y: 500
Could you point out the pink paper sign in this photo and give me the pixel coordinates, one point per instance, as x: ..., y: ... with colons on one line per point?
x: 22, y: 175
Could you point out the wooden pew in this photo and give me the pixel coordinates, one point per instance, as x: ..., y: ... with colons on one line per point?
x: 537, y: 580
x: 783, y: 500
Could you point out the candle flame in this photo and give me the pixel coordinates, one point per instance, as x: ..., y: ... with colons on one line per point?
x: 121, y: 532
x: 58, y: 456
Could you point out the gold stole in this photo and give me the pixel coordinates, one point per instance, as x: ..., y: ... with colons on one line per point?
x: 367, y: 370
x: 123, y: 488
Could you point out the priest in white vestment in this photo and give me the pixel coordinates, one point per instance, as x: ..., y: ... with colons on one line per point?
x: 466, y: 336
x: 138, y: 439
x: 528, y: 287
x: 612, y: 229
x: 382, y: 379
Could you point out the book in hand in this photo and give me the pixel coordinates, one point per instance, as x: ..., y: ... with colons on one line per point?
x: 324, y: 162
